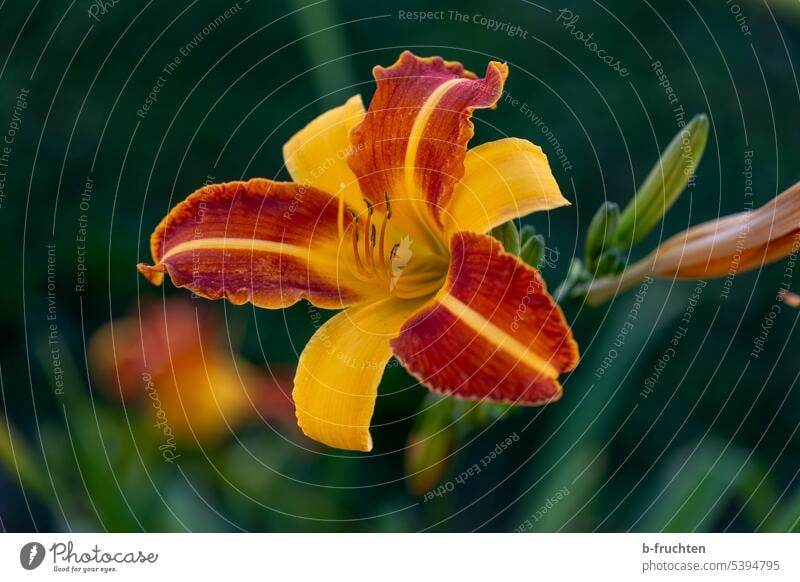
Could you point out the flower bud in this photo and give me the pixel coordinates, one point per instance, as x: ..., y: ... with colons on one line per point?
x: 718, y: 248
x: 508, y: 235
x: 430, y: 444
x: 664, y: 184
x: 602, y: 231
x: 610, y: 262
x: 532, y: 251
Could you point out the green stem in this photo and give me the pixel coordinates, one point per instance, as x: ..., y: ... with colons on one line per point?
x: 575, y: 275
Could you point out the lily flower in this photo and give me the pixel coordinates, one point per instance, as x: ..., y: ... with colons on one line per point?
x: 386, y: 219
x: 173, y: 362
x: 717, y: 248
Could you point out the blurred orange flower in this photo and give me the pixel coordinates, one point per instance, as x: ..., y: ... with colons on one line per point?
x: 173, y: 360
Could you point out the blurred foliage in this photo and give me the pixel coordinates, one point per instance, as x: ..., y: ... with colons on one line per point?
x: 713, y: 446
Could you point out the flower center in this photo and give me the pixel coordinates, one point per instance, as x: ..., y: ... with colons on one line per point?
x: 408, y: 270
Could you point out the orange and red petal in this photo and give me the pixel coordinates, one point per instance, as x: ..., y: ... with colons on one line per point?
x: 269, y: 243
x: 492, y: 332
x: 413, y: 139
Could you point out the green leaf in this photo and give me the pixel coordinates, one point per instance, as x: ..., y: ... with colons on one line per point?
x: 19, y: 460
x: 566, y: 501
x: 698, y: 483
x: 785, y: 517
x: 95, y: 437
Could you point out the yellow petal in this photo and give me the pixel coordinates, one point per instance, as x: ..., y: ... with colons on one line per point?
x: 339, y: 371
x: 503, y: 180
x: 317, y: 154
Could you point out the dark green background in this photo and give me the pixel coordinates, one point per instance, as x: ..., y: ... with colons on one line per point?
x: 713, y: 448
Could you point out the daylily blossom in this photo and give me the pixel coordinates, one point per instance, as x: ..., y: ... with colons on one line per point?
x: 386, y: 219
x: 717, y: 248
x: 174, y: 363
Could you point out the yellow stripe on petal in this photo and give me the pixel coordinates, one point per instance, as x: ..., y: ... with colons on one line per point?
x: 238, y: 244
x: 412, y: 142
x: 339, y: 371
x: 503, y: 180
x: 418, y: 130
x: 419, y: 203
x: 497, y: 336
x: 492, y: 333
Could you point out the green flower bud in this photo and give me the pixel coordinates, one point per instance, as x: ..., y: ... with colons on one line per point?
x: 508, y: 235
x: 532, y: 251
x: 526, y: 232
x: 664, y: 184
x: 610, y: 262
x: 430, y: 444
x: 602, y: 231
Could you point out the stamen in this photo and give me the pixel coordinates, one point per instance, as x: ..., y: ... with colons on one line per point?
x: 368, y: 236
x: 388, y: 206
x: 356, y: 254
x: 384, y: 262
x: 413, y: 283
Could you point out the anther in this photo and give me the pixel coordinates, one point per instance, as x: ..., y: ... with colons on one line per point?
x: 388, y: 206
x: 372, y: 238
x: 381, y: 242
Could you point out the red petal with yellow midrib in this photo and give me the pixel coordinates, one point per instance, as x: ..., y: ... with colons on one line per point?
x: 408, y: 91
x: 493, y: 332
x: 269, y: 243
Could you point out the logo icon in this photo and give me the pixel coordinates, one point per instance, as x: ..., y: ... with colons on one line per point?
x: 31, y: 555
